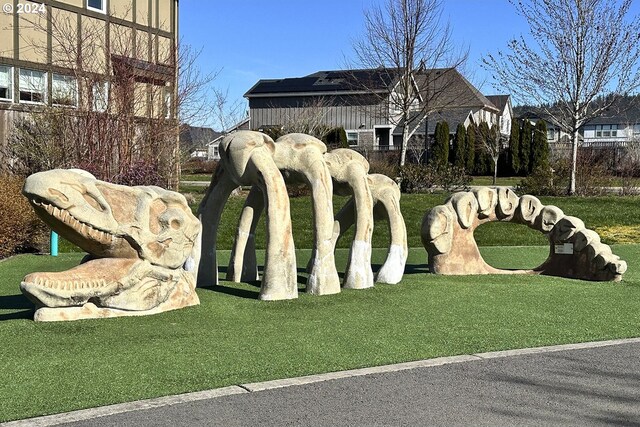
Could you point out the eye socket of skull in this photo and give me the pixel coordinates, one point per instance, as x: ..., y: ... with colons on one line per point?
x: 156, y: 213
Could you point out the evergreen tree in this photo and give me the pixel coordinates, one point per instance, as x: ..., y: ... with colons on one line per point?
x: 470, y: 146
x: 525, y: 147
x: 483, y: 162
x: 459, y: 146
x: 540, y: 147
x: 514, y: 147
x: 440, y: 152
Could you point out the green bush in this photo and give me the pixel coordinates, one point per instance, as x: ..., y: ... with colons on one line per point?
x: 199, y: 166
x: 418, y: 178
x: 336, y: 138
x: 22, y: 230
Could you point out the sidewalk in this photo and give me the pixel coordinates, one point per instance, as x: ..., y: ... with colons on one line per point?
x: 577, y: 384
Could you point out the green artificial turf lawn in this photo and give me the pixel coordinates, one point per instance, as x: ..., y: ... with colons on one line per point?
x: 232, y: 338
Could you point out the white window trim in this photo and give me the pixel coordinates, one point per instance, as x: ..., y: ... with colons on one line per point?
x: 10, y: 87
x: 103, y: 10
x: 44, y: 101
x: 347, y: 132
x: 75, y: 105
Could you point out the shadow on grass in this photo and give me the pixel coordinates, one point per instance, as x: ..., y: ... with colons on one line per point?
x: 416, y: 269
x: 16, y: 302
x: 228, y: 290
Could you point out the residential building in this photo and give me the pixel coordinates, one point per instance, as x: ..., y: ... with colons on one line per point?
x: 73, y: 53
x: 616, y: 130
x: 194, y: 140
x: 212, y: 149
x: 361, y: 101
x: 505, y: 116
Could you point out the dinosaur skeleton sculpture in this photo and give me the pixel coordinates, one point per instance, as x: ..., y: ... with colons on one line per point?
x: 386, y: 205
x: 246, y: 158
x: 302, y: 158
x: 143, y: 245
x: 575, y: 252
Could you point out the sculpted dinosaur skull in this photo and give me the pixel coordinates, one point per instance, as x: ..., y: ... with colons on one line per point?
x: 145, y: 238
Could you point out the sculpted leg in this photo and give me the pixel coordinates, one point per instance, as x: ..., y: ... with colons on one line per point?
x: 358, y: 273
x: 301, y: 156
x: 393, y: 268
x: 243, y: 266
x: 323, y: 276
x: 280, y: 274
x: 209, y: 212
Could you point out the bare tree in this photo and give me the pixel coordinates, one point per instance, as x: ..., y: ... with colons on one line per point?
x: 409, y: 39
x: 226, y: 113
x: 580, y: 51
x: 115, y: 103
x: 492, y: 142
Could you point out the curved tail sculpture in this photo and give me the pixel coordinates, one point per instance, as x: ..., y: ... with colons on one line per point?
x: 575, y: 251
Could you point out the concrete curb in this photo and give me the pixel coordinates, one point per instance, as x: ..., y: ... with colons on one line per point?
x: 86, y: 414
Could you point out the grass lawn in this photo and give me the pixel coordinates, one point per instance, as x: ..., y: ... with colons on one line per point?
x: 196, y: 177
x: 233, y: 338
x: 501, y: 180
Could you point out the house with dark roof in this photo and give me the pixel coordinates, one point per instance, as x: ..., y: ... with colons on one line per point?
x: 361, y: 102
x: 617, y: 128
x: 505, y: 116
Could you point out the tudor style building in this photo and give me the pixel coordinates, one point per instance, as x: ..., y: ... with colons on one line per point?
x: 67, y: 53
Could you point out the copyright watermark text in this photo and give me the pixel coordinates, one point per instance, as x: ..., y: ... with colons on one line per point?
x: 24, y: 8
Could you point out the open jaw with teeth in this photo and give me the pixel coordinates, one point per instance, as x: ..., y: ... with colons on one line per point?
x: 84, y: 230
x: 124, y: 287
x: 142, y: 242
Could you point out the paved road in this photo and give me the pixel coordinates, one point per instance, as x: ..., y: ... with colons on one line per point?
x: 585, y: 387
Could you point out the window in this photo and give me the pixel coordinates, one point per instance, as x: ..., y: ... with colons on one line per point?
x: 352, y: 138
x: 551, y: 134
x: 97, y: 5
x: 64, y: 90
x: 6, y: 83
x: 100, y: 92
x: 33, y: 86
x: 606, y: 131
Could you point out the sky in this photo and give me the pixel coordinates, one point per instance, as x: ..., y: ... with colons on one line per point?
x: 249, y: 40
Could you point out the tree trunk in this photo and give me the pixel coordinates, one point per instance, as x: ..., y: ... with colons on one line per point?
x: 495, y: 170
x: 574, y: 161
x: 405, y: 143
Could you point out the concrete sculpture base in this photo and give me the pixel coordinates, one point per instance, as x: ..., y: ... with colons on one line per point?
x: 143, y: 245
x: 575, y: 251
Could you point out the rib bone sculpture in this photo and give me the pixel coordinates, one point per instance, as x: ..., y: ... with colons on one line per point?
x: 143, y: 245
x: 575, y: 251
x: 253, y: 158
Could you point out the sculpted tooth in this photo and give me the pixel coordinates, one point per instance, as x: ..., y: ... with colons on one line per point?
x: 76, y: 284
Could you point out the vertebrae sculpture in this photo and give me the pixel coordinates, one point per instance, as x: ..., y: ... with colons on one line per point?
x: 143, y: 245
x: 304, y: 158
x: 575, y: 252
